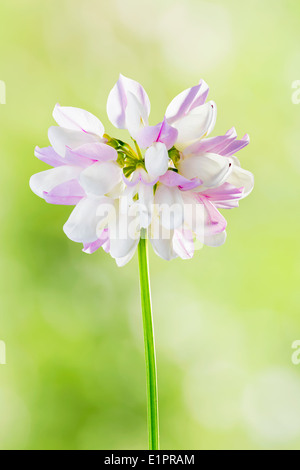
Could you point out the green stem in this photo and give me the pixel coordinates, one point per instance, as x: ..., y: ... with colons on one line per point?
x: 152, y: 398
x: 138, y: 150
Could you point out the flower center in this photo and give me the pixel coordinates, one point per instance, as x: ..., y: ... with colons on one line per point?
x: 130, y: 159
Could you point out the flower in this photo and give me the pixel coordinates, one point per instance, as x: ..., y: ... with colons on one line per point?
x: 170, y: 182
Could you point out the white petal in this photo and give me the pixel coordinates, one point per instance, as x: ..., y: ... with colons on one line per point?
x: 161, y: 240
x: 78, y: 120
x: 215, y: 240
x: 187, y: 100
x: 241, y: 179
x: 49, y: 179
x: 169, y: 204
x: 60, y: 138
x: 194, y: 214
x: 164, y: 248
x: 146, y: 198
x: 122, y: 261
x: 118, y: 101
x: 198, y: 123
x: 82, y: 224
x: 100, y: 178
x: 183, y: 244
x: 157, y: 159
x: 124, y: 233
x: 134, y: 115
x: 211, y: 168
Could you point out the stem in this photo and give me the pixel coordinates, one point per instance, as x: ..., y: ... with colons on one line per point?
x: 138, y: 150
x: 152, y: 398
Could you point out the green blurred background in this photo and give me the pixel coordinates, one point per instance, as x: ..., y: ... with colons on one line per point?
x: 226, y: 320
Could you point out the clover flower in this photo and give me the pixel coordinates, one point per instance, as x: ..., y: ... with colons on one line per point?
x: 167, y: 185
x: 173, y: 189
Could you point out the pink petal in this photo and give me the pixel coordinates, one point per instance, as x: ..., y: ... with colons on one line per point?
x: 212, y: 144
x: 147, y: 135
x: 225, y: 145
x: 49, y: 156
x: 225, y: 196
x: 172, y: 178
x: 167, y: 135
x: 162, y: 132
x: 68, y: 193
x: 186, y: 101
x: 140, y: 176
x: 89, y: 153
x: 214, y: 221
x: 236, y: 146
x: 46, y: 181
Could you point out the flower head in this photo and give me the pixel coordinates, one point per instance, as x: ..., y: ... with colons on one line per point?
x: 169, y: 183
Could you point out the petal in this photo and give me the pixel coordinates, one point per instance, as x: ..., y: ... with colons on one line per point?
x: 162, y: 132
x: 78, y: 120
x: 117, y: 102
x: 187, y: 100
x: 167, y: 134
x: 169, y: 206
x: 94, y: 246
x: 100, y: 178
x: 82, y: 224
x: 241, y: 178
x: 201, y: 216
x: 162, y: 240
x: 68, y: 193
x: 183, y: 243
x: 140, y: 175
x: 148, y: 135
x: 211, y: 168
x: 172, y: 178
x: 225, y: 145
x: 194, y: 214
x: 49, y: 156
x: 235, y: 146
x: 157, y: 159
x: 45, y: 181
x: 60, y: 138
x: 135, y: 116
x: 145, y: 202
x: 163, y: 248
x: 92, y: 152
x: 214, y: 221
x: 124, y: 234
x: 212, y: 145
x: 216, y: 239
x: 198, y: 123
x: 123, y: 261
x: 73, y: 157
x: 225, y: 196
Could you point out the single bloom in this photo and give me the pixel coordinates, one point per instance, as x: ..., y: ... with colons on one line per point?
x: 170, y: 182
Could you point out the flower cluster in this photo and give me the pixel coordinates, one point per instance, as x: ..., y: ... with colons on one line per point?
x: 169, y: 184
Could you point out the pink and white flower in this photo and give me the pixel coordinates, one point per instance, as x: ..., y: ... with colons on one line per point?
x: 171, y: 184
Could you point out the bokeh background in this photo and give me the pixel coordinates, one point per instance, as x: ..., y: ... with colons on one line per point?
x: 225, y: 321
